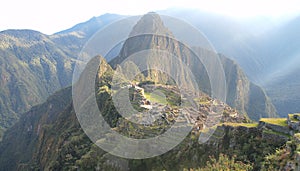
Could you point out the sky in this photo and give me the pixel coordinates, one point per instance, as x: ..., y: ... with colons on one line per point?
x: 50, y: 16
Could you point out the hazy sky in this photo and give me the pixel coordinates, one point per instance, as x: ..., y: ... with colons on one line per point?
x: 50, y: 16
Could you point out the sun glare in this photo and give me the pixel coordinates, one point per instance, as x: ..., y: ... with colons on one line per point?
x: 51, y: 16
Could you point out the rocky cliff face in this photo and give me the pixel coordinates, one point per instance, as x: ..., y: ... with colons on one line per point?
x: 245, y: 95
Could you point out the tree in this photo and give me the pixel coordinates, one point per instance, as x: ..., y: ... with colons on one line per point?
x: 224, y: 163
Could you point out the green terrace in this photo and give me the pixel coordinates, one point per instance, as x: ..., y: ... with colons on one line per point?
x: 163, y: 96
x: 275, y: 121
x: 270, y: 131
x: 156, y: 98
x: 248, y: 125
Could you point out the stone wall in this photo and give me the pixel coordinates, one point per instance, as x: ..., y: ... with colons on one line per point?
x: 294, y: 122
x: 274, y: 137
x: 277, y: 128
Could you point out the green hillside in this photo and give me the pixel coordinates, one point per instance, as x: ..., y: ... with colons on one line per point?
x: 32, y: 68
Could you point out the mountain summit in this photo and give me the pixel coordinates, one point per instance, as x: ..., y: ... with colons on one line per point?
x: 150, y: 23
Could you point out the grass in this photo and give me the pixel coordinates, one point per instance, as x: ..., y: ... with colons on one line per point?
x: 248, y: 125
x: 275, y: 121
x: 156, y: 98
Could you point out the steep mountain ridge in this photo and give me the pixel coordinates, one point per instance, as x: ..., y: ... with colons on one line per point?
x: 45, y: 138
x: 245, y: 95
x: 72, y: 40
x: 150, y: 23
x: 32, y: 68
x: 89, y: 27
x: 36, y: 129
x: 35, y: 65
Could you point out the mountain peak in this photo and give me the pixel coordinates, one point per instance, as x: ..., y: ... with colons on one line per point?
x: 150, y: 23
